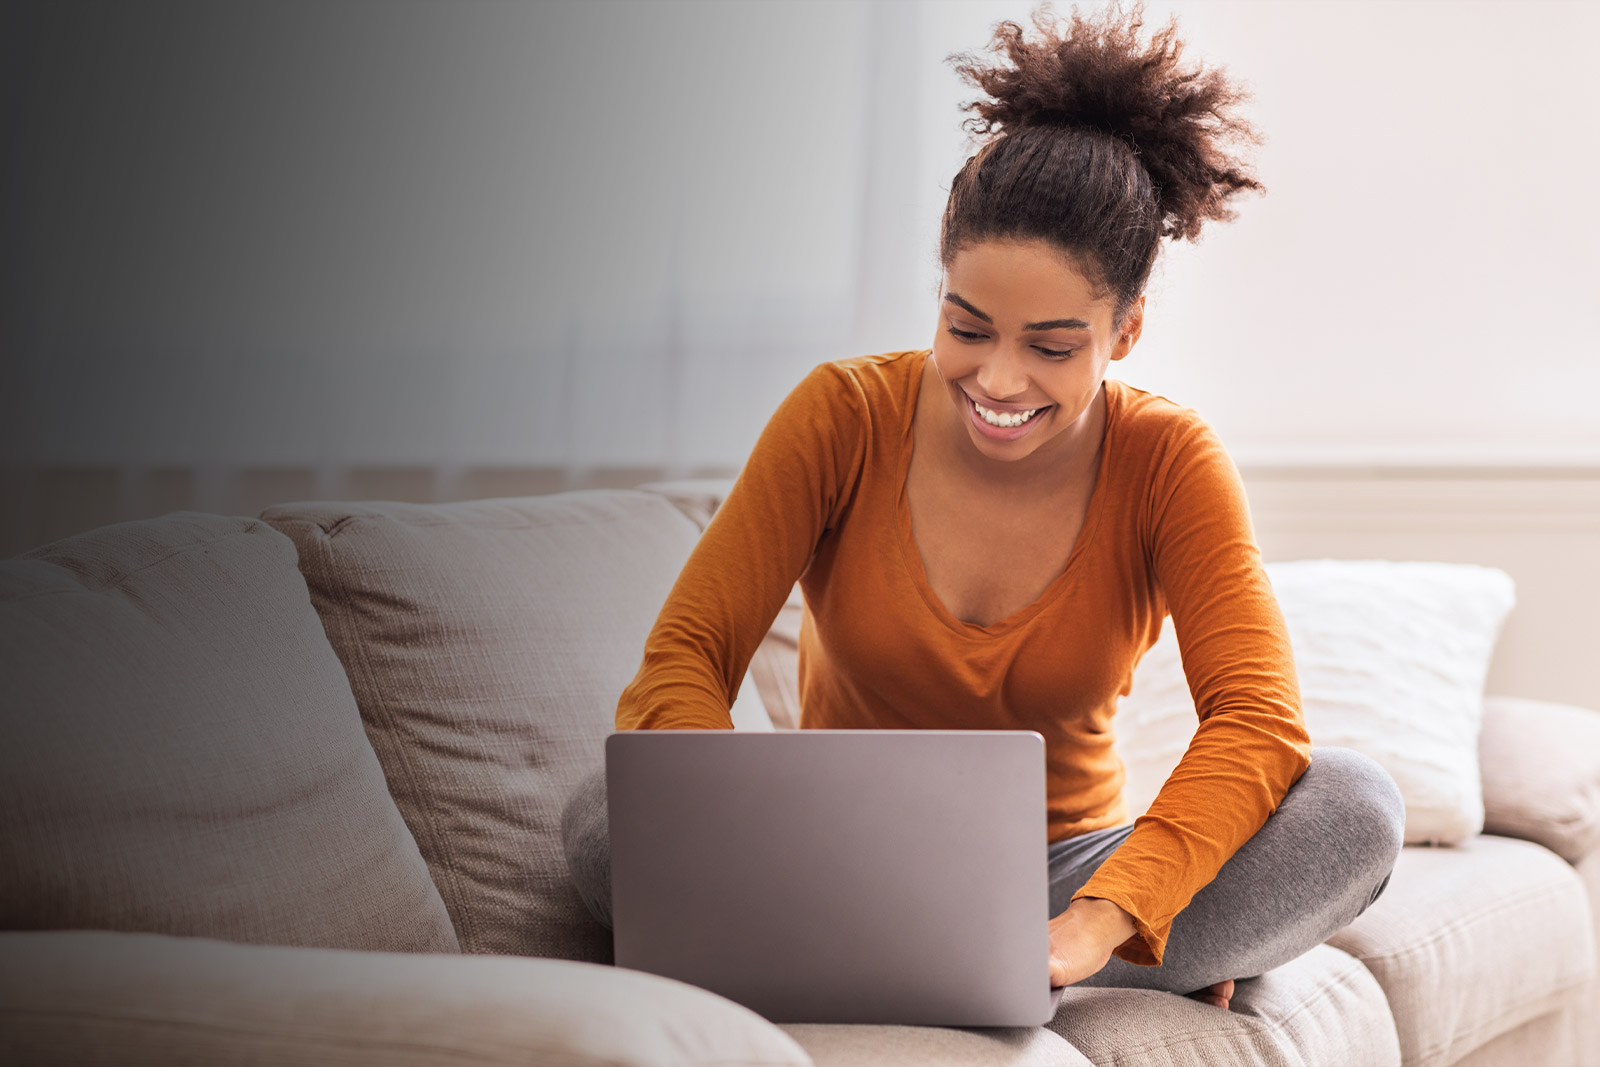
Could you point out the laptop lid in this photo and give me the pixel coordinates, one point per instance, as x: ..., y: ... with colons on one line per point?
x: 870, y: 876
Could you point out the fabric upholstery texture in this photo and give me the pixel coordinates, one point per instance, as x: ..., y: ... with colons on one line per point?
x: 1587, y: 1019
x: 100, y: 998
x: 487, y: 643
x: 1545, y: 1040
x: 1391, y: 658
x: 1541, y: 781
x: 1473, y: 940
x: 1321, y: 1008
x: 849, y: 1045
x: 180, y: 751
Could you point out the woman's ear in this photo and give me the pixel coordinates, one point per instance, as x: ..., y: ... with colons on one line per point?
x: 1132, y: 327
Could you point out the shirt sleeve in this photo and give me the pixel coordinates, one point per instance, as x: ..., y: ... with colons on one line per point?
x: 790, y: 492
x: 1251, y: 743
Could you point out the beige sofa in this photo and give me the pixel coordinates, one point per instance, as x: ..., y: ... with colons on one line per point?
x: 287, y: 791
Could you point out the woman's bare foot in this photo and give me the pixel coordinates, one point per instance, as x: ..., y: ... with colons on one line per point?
x: 1217, y: 995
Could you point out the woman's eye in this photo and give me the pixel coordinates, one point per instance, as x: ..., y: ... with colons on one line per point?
x: 1048, y: 353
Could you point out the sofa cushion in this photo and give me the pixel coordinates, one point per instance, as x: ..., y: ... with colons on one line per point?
x: 92, y: 999
x: 487, y: 643
x: 1551, y: 1038
x: 1588, y: 1017
x: 180, y: 750
x: 1472, y: 940
x: 1541, y: 774
x: 1322, y: 1007
x: 857, y: 1045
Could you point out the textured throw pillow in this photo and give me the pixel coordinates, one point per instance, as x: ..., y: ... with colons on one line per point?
x: 1391, y: 658
x: 180, y: 751
x: 487, y: 643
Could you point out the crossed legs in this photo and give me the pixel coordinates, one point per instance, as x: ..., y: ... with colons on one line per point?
x: 1317, y: 862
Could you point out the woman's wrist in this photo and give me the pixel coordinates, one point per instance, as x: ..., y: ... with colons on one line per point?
x: 1108, y: 916
x: 1083, y: 938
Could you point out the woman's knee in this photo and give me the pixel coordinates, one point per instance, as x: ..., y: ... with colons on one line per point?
x: 586, y: 840
x: 1357, y: 804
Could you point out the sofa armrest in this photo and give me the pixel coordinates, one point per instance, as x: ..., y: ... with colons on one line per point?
x: 98, y: 997
x: 1541, y: 774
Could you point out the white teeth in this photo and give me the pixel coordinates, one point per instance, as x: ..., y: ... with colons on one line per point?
x: 1003, y: 419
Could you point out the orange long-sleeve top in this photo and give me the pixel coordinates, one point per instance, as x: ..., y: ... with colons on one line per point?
x: 822, y: 499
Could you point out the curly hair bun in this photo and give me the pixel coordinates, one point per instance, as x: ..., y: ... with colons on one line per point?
x: 1097, y: 75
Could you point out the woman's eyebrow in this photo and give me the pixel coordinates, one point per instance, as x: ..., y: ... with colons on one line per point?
x: 1052, y: 324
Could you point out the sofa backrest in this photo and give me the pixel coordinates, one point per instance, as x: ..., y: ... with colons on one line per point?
x: 487, y: 643
x: 180, y: 751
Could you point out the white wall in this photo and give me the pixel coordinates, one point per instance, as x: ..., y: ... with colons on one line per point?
x: 522, y: 233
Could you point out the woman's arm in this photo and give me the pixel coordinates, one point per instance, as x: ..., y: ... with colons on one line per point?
x: 791, y: 491
x: 1251, y: 743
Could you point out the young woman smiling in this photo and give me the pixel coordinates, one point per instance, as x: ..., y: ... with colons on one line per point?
x: 989, y: 534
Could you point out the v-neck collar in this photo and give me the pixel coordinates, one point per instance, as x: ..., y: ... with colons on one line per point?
x: 911, y: 556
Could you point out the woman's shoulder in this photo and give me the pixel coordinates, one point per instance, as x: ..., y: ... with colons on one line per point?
x: 878, y: 387
x: 1151, y: 422
x: 1165, y: 448
x: 845, y: 404
x: 1150, y: 409
x: 878, y: 376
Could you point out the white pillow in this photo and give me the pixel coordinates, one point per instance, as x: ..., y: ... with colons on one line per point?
x: 1391, y: 658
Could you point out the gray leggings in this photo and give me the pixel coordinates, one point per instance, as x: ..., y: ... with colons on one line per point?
x: 1319, y: 861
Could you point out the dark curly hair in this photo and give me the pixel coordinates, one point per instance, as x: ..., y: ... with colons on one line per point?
x: 1097, y: 144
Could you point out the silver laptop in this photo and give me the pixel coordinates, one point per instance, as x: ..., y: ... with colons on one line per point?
x: 841, y: 876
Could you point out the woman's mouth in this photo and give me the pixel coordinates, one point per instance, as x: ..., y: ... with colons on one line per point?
x: 1003, y: 425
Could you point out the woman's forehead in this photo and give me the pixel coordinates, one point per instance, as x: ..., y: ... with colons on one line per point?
x: 1017, y: 283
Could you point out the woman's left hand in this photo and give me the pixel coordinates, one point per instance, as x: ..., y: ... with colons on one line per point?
x: 1082, y: 937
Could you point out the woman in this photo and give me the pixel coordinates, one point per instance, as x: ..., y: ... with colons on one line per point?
x: 988, y: 534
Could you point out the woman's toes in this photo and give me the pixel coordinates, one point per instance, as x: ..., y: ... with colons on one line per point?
x: 1217, y: 995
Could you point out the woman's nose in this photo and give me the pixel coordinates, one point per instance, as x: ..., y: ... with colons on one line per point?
x: 1001, y: 377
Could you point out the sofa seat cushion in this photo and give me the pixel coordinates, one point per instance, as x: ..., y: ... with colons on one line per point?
x: 1472, y: 940
x: 852, y: 1045
x: 1320, y: 1008
x: 96, y: 998
x: 487, y: 644
x: 180, y: 751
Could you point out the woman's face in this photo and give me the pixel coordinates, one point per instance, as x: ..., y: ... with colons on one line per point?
x: 1020, y: 331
